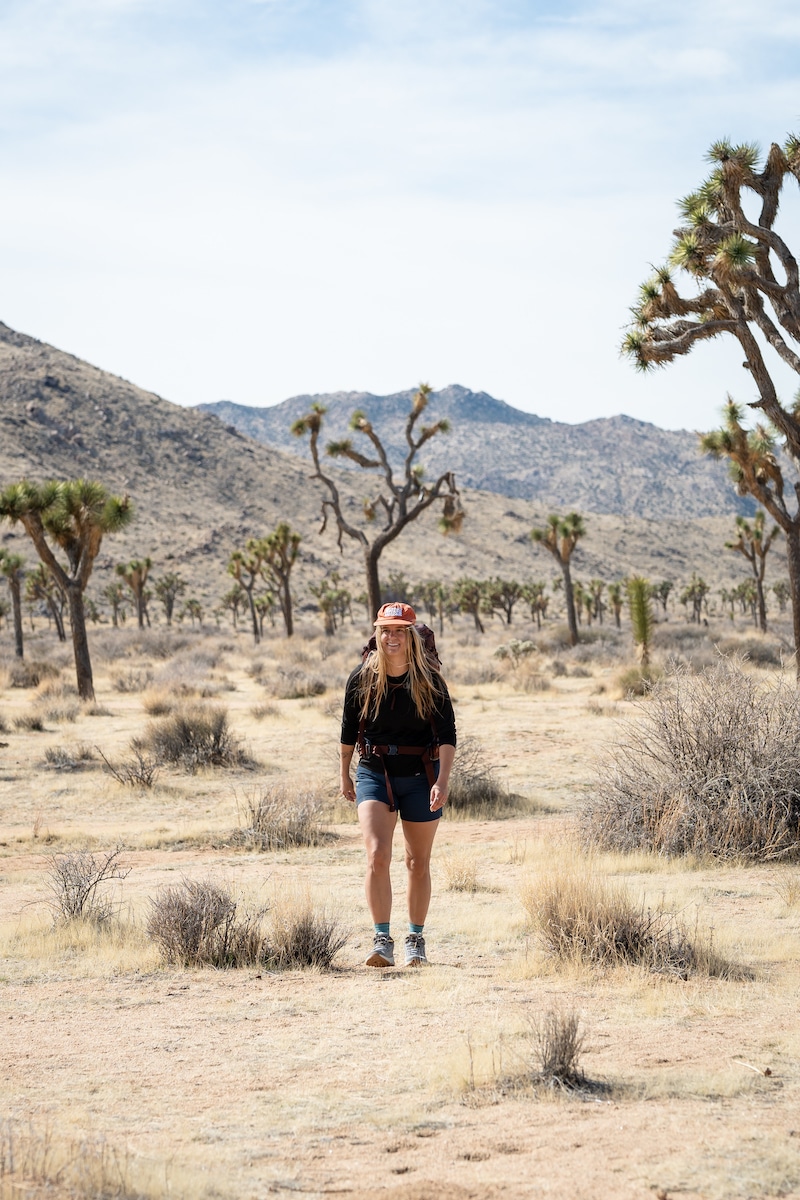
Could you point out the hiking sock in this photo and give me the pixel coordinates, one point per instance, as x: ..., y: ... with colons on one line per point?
x: 415, y: 928
x: 382, y: 927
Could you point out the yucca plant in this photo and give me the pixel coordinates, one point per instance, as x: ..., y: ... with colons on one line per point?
x: 641, y: 612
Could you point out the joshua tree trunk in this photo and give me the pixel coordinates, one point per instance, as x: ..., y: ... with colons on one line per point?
x: 16, y: 605
x: 373, y: 579
x: 80, y: 642
x: 569, y: 597
x: 793, y: 561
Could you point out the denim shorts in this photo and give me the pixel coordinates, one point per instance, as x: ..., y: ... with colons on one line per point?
x: 412, y: 793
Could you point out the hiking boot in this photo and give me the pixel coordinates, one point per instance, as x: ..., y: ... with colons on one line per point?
x: 415, y: 950
x: 382, y: 952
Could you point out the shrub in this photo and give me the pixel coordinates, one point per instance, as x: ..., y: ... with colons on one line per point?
x: 3, y: 724
x: 194, y: 736
x: 474, y: 789
x: 277, y: 817
x: 158, y: 703
x: 709, y: 765
x: 69, y: 758
x: 303, y: 936
x: 756, y: 650
x: 582, y: 918
x: 30, y: 724
x: 74, y: 882
x: 198, y: 923
x: 139, y: 771
x: 460, y: 872
x: 133, y: 680
x: 296, y: 684
x: 62, y: 712
x: 559, y: 1045
x: 31, y: 674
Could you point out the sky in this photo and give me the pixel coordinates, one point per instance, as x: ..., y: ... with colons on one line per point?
x: 254, y: 199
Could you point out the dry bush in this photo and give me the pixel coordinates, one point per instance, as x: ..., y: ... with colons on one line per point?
x: 786, y: 884
x: 710, y: 764
x: 58, y: 713
x: 193, y: 736
x: 559, y: 1044
x: 3, y: 724
x: 188, y: 675
x: 139, y: 771
x: 757, y: 650
x: 37, y: 1166
x: 74, y: 880
x: 460, y: 872
x: 637, y: 681
x: 296, y: 684
x: 276, y: 817
x: 30, y: 674
x: 261, y: 711
x: 582, y: 918
x: 132, y: 680
x: 474, y: 788
x: 69, y: 758
x: 56, y: 689
x: 32, y: 723
x: 304, y: 935
x: 198, y: 923
x: 159, y: 703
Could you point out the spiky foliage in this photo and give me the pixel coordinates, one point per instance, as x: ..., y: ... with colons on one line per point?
x: 42, y: 588
x: 754, y: 543
x: 168, y: 588
x: 71, y: 516
x: 246, y: 568
x: 641, y: 611
x: 397, y: 501
x: 616, y: 600
x: 280, y: 549
x: 560, y: 536
x: 135, y: 574
x: 747, y: 284
x: 11, y: 566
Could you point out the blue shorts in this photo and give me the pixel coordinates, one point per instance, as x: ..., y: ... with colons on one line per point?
x: 412, y: 793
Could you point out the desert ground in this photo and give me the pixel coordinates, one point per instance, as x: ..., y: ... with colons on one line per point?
x: 123, y: 1075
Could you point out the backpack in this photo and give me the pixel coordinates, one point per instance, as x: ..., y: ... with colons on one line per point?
x: 430, y: 753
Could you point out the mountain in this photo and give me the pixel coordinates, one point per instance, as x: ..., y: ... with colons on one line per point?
x: 200, y: 489
x: 612, y: 465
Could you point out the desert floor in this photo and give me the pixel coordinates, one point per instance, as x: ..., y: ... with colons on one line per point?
x: 122, y: 1076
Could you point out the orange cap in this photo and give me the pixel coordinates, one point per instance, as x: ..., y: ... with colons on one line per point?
x: 395, y: 613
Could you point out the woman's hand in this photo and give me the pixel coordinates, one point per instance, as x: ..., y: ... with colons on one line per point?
x: 346, y: 783
x: 438, y: 797
x: 348, y: 791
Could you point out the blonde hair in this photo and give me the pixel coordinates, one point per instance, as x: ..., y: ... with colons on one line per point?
x: 421, y: 681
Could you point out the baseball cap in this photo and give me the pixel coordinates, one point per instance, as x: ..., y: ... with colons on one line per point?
x: 396, y: 613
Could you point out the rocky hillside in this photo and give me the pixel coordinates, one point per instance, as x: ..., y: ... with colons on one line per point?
x: 201, y: 488
x: 615, y: 465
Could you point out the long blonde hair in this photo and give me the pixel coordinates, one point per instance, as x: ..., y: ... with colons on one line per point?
x: 422, y: 679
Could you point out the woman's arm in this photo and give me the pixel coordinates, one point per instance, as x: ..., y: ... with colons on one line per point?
x: 345, y: 758
x: 440, y: 789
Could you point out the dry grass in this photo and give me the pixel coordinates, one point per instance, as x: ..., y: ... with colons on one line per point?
x: 192, y: 737
x: 303, y: 933
x: 475, y: 792
x: 581, y: 917
x: 279, y: 816
x: 198, y: 923
x: 709, y: 765
x: 460, y: 869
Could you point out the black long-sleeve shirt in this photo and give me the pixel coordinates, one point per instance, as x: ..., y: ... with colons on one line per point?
x: 397, y: 723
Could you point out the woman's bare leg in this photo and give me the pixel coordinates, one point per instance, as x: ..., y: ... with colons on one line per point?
x: 419, y: 837
x: 377, y: 827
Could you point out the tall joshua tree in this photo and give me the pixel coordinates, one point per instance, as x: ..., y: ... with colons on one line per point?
x: 560, y: 536
x: 168, y: 588
x: 11, y: 566
x: 641, y: 612
x: 135, y: 574
x: 280, y: 550
x: 41, y: 586
x: 70, y: 516
x: 245, y: 567
x: 397, y: 501
x: 747, y: 283
x: 755, y: 547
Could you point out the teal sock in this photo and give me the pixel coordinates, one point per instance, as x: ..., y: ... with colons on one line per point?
x: 382, y: 927
x: 415, y: 928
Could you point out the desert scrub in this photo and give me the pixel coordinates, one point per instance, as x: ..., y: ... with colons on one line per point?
x: 278, y: 816
x: 75, y: 880
x: 475, y: 790
x: 69, y: 758
x: 193, y: 736
x: 580, y: 917
x: 709, y: 764
x: 303, y: 934
x: 198, y: 923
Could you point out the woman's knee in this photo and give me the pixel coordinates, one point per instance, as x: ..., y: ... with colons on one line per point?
x: 379, y: 856
x: 418, y: 865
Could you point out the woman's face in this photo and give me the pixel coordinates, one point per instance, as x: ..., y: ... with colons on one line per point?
x: 394, y: 641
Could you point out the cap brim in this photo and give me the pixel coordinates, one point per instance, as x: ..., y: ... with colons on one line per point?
x: 393, y: 622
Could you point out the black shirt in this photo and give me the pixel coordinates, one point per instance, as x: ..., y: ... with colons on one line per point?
x: 398, y: 723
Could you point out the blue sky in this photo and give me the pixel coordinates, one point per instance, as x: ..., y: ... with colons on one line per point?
x: 256, y: 199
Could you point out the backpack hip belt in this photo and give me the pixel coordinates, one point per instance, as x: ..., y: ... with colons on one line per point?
x: 429, y: 754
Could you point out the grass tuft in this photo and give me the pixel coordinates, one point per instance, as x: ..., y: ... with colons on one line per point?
x: 276, y: 817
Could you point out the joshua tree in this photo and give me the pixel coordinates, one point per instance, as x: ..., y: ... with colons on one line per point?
x: 395, y: 503
x: 265, y: 607
x: 114, y: 594
x: 502, y: 595
x: 11, y: 566
x: 596, y: 589
x: 333, y: 600
x: 782, y: 593
x: 695, y: 594
x: 168, y: 588
x: 245, y: 567
x: 40, y: 586
x: 534, y: 597
x: 755, y: 547
x: 135, y: 575
x: 748, y: 283
x: 641, y: 617
x: 233, y: 601
x: 560, y: 536
x: 72, y: 516
x: 661, y: 591
x: 469, y: 596
x: 615, y: 599
x: 280, y: 550
x: 193, y: 610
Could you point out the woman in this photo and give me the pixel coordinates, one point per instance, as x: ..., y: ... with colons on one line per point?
x: 398, y: 710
